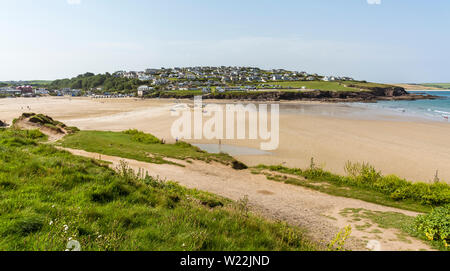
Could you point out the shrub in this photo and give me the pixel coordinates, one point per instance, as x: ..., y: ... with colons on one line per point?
x: 436, y: 225
x: 186, y: 145
x: 142, y: 137
x: 338, y: 243
x: 365, y: 175
x: 389, y: 184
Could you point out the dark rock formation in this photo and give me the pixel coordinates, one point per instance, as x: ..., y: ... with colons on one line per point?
x: 367, y: 95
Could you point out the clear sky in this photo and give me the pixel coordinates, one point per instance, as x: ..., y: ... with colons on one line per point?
x: 383, y: 41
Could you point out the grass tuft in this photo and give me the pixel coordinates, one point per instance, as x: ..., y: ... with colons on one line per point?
x: 48, y: 197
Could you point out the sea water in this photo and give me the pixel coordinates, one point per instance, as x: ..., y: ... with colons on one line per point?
x: 436, y: 110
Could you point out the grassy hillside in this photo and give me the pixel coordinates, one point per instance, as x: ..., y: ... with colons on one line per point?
x: 438, y: 85
x: 48, y: 197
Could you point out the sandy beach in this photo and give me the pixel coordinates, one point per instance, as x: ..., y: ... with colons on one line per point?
x: 413, y: 149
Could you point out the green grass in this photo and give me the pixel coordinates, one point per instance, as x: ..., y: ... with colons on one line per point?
x: 48, y: 197
x: 393, y: 220
x: 125, y: 145
x: 334, y: 189
x: 384, y: 220
x: 365, y: 85
x: 322, y: 85
x: 316, y: 85
x: 435, y: 226
x: 329, y: 86
x: 369, y: 186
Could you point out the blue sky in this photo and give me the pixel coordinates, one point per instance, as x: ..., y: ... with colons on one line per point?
x: 394, y: 41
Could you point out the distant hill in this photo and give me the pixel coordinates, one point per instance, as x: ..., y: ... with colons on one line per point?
x: 425, y: 86
x: 36, y: 83
x: 438, y: 85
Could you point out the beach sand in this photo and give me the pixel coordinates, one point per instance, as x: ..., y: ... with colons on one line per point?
x: 417, y: 87
x: 412, y: 149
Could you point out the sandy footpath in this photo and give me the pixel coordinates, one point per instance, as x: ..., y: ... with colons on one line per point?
x: 411, y: 149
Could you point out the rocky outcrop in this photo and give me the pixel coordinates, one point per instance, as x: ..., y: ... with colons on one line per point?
x: 326, y: 96
x: 368, y: 95
x: 386, y: 92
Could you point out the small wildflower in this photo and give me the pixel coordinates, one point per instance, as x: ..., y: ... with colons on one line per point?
x: 51, y: 222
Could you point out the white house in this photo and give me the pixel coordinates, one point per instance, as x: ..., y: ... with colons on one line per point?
x: 328, y: 78
x: 276, y: 77
x: 142, y: 90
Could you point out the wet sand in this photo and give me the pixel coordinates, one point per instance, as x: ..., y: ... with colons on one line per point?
x: 331, y: 133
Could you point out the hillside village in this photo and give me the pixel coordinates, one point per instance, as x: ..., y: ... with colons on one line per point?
x: 139, y: 83
x: 220, y: 79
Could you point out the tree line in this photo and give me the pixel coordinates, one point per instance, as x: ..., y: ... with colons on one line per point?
x: 90, y: 81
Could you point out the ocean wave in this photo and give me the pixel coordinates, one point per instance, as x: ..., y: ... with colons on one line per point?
x: 442, y: 112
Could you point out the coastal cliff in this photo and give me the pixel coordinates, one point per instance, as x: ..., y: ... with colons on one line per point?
x: 366, y: 95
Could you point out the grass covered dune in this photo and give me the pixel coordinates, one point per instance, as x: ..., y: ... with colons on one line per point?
x: 137, y: 145
x: 48, y: 197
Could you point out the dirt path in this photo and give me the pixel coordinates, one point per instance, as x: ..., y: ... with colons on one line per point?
x: 320, y: 214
